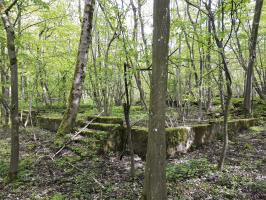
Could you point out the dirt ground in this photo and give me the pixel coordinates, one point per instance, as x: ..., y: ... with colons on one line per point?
x: 189, y: 176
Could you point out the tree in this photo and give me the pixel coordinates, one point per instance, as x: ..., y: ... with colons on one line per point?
x: 221, y: 45
x: 252, y: 56
x: 155, y: 178
x: 10, y: 34
x: 80, y: 70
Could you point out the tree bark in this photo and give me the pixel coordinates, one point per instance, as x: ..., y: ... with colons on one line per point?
x: 80, y: 70
x: 126, y: 107
x: 10, y: 34
x: 5, y: 89
x: 252, y: 56
x: 155, y: 178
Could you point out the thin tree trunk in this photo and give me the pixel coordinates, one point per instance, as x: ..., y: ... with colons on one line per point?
x: 228, y: 80
x: 252, y: 56
x: 5, y: 89
x: 208, y: 58
x: 76, y: 91
x: 155, y: 178
x: 128, y: 125
x: 137, y: 73
x: 144, y: 39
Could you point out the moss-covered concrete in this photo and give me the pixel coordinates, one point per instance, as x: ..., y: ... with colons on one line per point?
x: 106, y: 119
x: 140, y: 140
x: 104, y: 127
x: 177, y: 140
x: 48, y: 123
x: 203, y: 134
x: 104, y: 140
x: 180, y: 139
x: 111, y: 137
x: 234, y: 126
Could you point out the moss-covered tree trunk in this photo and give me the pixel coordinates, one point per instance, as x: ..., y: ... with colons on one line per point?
x: 155, y: 178
x: 79, y: 76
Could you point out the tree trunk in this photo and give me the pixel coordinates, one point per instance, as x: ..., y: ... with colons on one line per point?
x: 155, y: 178
x: 126, y: 107
x: 137, y: 73
x: 5, y: 89
x: 76, y: 91
x: 252, y: 56
x: 14, y: 160
x: 221, y: 46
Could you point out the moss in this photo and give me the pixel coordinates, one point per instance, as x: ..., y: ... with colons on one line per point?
x: 140, y: 140
x: 257, y: 129
x: 49, y: 123
x: 203, y: 133
x: 175, y: 136
x: 237, y: 102
x: 89, y: 133
x: 63, y: 161
x: 58, y: 196
x: 104, y: 127
x: 234, y: 125
x: 141, y: 130
x: 106, y: 119
x: 103, y: 141
x: 80, y: 150
x: 137, y: 108
x: 51, y: 115
x: 237, y: 125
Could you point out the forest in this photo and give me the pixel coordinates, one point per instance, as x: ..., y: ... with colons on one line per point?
x: 132, y: 99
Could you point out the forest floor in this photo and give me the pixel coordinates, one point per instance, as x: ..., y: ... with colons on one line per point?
x: 190, y: 176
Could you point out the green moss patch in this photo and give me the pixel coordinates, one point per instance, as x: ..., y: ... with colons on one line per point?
x: 81, y: 150
x: 106, y: 119
x: 257, y: 129
x: 104, y: 127
x: 176, y: 140
x: 175, y: 136
x: 49, y: 123
x: 203, y: 134
x: 140, y: 140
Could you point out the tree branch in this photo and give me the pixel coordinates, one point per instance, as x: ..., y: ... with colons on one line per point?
x: 10, y: 6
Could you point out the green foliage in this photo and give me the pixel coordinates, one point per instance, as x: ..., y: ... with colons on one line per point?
x: 188, y: 170
x: 25, y: 169
x: 259, y: 186
x: 84, y: 185
x: 58, y: 196
x: 3, y: 169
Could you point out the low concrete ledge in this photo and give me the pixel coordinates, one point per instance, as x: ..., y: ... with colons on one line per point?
x: 180, y: 139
